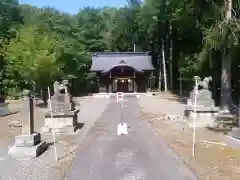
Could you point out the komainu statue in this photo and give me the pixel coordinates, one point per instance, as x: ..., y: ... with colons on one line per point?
x: 60, y: 88
x: 205, y: 82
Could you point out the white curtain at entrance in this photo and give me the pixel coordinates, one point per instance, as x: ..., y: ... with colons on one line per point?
x: 130, y: 85
x: 115, y: 85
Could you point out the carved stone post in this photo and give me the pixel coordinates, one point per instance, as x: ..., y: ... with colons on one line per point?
x: 28, y: 113
x: 28, y: 143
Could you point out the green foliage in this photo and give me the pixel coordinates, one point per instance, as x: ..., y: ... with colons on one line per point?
x: 33, y: 55
x: 188, y: 66
x: 40, y: 44
x: 223, y: 35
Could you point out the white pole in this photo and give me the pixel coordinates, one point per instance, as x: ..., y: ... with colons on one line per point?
x: 194, y: 119
x: 164, y: 68
x: 53, y: 134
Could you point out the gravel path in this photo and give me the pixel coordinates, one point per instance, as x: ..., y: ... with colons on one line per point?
x: 142, y: 154
x: 44, y: 167
x: 161, y: 105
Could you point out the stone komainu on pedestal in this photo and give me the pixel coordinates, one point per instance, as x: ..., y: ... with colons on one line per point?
x: 206, y: 110
x: 64, y: 114
x: 61, y: 100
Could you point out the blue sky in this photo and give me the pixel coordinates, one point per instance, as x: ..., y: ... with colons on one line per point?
x: 72, y: 6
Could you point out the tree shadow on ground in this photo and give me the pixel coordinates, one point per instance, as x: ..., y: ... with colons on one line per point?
x: 182, y: 100
x: 11, y: 113
x: 178, y: 98
x: 41, y: 105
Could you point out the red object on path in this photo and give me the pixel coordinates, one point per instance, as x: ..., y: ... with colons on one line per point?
x: 119, y: 96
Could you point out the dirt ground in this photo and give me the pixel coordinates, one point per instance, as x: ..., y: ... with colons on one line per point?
x: 8, y: 133
x: 211, y: 161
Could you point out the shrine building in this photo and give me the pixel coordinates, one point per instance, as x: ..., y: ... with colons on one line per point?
x: 122, y: 71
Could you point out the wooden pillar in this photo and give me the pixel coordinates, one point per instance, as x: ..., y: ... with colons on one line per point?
x: 110, y: 83
x: 98, y: 82
x: 134, y: 82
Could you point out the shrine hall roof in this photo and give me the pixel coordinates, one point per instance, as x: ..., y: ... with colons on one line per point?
x: 105, y: 61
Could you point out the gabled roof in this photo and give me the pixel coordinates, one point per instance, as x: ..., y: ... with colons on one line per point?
x: 105, y: 61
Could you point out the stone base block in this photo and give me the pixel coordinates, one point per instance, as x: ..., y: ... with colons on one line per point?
x: 202, y: 109
x: 203, y: 119
x: 61, y: 122
x: 4, y: 111
x: 27, y: 152
x: 205, y: 116
x: 66, y: 129
x: 23, y: 140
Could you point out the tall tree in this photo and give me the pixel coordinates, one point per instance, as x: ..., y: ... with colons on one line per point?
x: 32, y: 57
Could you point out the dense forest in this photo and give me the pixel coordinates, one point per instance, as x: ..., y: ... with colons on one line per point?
x: 185, y: 38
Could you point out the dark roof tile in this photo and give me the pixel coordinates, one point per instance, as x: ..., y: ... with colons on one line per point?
x: 107, y: 60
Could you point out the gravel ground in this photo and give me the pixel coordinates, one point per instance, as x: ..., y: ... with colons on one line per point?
x: 161, y: 105
x: 213, y: 160
x: 44, y: 167
x: 141, y: 154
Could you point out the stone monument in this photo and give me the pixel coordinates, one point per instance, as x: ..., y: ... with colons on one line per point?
x: 64, y: 114
x: 4, y: 110
x: 206, y: 110
x: 28, y: 144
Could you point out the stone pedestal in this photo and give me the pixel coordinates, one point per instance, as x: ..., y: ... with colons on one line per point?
x: 64, y: 115
x: 203, y: 96
x: 206, y: 111
x: 205, y: 116
x: 61, y: 122
x: 27, y: 146
x: 4, y: 110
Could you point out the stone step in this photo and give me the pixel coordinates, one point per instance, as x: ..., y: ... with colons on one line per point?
x: 228, y: 122
x: 62, y: 130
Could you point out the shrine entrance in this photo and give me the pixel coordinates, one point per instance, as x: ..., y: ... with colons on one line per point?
x: 122, y: 79
x: 123, y: 85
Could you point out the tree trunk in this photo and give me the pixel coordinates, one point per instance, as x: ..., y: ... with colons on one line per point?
x: 229, y: 10
x: 2, y: 96
x: 180, y: 84
x: 164, y: 68
x: 160, y: 74
x: 170, y: 59
x: 226, y: 86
